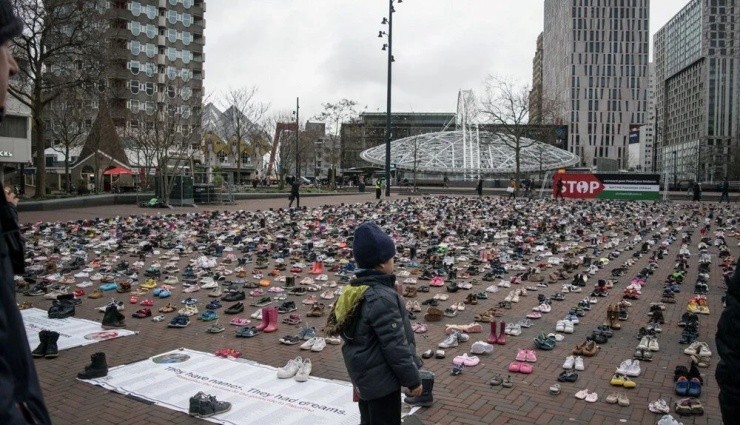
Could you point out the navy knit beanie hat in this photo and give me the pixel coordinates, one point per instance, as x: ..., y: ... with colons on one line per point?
x: 372, y: 246
x: 10, y: 25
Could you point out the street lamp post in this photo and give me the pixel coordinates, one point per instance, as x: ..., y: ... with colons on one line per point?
x: 297, y: 137
x: 675, y: 174
x: 389, y: 47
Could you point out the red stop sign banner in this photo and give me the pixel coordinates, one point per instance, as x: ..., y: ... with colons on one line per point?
x: 578, y: 186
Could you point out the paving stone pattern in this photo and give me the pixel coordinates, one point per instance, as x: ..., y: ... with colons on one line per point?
x: 464, y: 399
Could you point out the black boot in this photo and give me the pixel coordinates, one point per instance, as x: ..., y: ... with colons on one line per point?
x: 427, y: 384
x: 39, y: 351
x: 112, y: 318
x: 97, y: 368
x: 52, y: 351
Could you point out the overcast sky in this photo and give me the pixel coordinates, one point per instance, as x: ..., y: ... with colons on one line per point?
x: 326, y: 50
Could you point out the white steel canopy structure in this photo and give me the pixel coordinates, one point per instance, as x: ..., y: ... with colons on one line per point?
x: 470, y: 152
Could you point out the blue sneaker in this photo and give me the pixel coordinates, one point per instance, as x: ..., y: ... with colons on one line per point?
x: 179, y: 321
x: 208, y: 315
x: 307, y: 333
x: 214, y: 305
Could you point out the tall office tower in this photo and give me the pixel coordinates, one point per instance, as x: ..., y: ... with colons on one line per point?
x: 645, y: 158
x: 697, y: 66
x: 535, y: 95
x: 595, y: 71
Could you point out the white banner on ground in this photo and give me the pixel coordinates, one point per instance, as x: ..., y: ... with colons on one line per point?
x: 256, y: 394
x: 73, y: 332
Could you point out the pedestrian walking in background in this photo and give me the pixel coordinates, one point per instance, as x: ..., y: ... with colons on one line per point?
x: 559, y: 189
x: 295, y: 192
x: 697, y: 192
x: 725, y: 187
x: 512, y: 188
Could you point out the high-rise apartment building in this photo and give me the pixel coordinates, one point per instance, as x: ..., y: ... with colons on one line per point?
x: 697, y: 66
x: 595, y: 72
x: 156, y: 57
x: 153, y: 62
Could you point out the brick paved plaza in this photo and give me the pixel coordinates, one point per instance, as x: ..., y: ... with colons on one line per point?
x: 464, y: 399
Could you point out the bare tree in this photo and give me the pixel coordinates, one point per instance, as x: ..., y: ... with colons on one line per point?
x: 243, y: 123
x: 506, y: 105
x: 168, y: 132
x: 59, y: 49
x: 334, y: 114
x: 70, y: 115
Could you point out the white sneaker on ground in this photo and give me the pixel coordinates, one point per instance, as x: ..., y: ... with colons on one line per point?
x: 569, y: 362
x: 304, y: 371
x: 290, y: 369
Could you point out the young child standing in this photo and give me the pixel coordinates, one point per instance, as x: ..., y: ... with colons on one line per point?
x: 379, y: 348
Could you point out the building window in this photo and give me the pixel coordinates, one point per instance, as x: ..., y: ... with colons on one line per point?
x: 171, y: 72
x: 14, y: 126
x: 185, y: 18
x: 186, y: 93
x: 148, y: 87
x: 135, y: 47
x: 186, y: 3
x: 246, y: 158
x: 221, y: 157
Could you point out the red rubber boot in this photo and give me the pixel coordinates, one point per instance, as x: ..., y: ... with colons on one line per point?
x: 265, y: 319
x: 492, y: 336
x: 272, y: 324
x: 502, y: 334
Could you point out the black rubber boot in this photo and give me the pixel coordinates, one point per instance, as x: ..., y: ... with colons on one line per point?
x: 425, y: 399
x: 97, y: 368
x: 112, y: 318
x: 52, y: 351
x: 40, y: 351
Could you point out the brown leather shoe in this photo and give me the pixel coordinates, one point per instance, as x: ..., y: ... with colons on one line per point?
x: 614, y: 319
x: 317, y: 310
x: 410, y: 291
x: 590, y: 349
x: 433, y: 314
x: 96, y: 294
